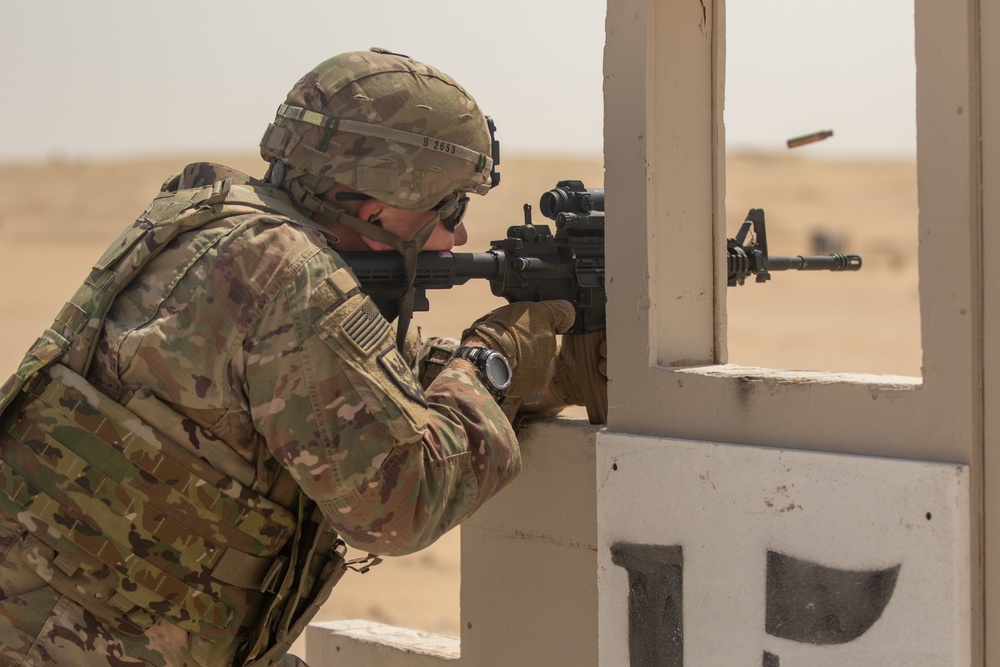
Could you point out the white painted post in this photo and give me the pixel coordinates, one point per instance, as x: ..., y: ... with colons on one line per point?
x: 989, y: 120
x: 664, y: 68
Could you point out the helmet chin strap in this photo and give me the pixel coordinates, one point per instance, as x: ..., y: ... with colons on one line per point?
x: 408, y: 249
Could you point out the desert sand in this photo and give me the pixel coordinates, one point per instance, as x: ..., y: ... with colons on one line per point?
x: 56, y: 218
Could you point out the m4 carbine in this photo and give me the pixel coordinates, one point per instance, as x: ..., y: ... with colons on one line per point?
x: 533, y: 264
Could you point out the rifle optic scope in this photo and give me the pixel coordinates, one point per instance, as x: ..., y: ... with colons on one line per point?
x: 571, y: 197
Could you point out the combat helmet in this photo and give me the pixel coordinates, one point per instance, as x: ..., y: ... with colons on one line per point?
x: 387, y: 127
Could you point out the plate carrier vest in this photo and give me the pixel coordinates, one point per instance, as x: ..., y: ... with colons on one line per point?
x: 88, y: 478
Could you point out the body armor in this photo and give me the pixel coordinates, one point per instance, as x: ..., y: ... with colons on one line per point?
x: 140, y: 528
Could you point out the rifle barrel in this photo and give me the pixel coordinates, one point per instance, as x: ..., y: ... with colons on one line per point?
x: 833, y: 262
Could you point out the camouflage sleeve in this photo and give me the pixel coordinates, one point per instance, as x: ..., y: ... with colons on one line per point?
x: 392, y: 466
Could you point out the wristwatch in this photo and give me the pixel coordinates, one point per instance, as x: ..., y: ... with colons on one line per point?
x: 492, y: 367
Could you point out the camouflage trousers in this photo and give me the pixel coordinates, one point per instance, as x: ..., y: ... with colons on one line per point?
x: 39, y: 626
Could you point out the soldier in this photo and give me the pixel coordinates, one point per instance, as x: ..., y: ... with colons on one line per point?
x: 219, y: 407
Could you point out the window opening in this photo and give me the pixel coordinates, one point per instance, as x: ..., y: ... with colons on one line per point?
x: 846, y: 68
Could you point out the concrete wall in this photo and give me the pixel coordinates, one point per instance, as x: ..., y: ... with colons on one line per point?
x: 665, y: 188
x: 529, y: 573
x: 715, y: 554
x: 989, y: 120
x: 664, y: 69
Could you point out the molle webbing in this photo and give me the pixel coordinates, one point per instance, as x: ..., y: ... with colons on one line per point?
x: 75, y: 332
x: 173, y: 539
x: 107, y: 493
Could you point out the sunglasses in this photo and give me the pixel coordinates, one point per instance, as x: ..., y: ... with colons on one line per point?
x: 452, y: 209
x: 451, y: 219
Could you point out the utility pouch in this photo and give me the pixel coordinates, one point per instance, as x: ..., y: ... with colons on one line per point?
x: 102, y: 489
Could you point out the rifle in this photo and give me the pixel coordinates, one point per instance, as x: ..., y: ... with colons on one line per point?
x: 533, y: 264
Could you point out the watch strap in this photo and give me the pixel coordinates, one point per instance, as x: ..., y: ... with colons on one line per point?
x: 477, y: 356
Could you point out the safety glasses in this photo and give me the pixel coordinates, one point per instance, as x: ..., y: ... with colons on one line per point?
x: 451, y: 209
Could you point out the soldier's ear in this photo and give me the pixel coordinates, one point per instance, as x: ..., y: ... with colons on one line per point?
x: 370, y: 210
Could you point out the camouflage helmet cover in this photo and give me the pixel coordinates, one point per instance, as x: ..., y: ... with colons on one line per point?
x: 385, y: 125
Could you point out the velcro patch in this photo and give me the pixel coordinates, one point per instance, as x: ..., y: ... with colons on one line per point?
x: 392, y: 361
x: 274, y: 137
x: 365, y: 327
x: 385, y: 179
x: 343, y: 281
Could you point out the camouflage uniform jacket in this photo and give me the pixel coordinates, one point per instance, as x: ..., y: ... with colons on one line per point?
x: 284, y: 375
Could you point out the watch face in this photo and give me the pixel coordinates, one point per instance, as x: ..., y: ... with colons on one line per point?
x: 497, y: 370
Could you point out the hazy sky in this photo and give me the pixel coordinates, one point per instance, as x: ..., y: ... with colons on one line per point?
x: 111, y: 78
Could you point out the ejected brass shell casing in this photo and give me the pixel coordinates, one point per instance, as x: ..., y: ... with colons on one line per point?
x: 810, y: 138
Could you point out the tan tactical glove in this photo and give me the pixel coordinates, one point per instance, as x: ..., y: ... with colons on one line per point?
x: 581, y: 374
x: 525, y: 333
